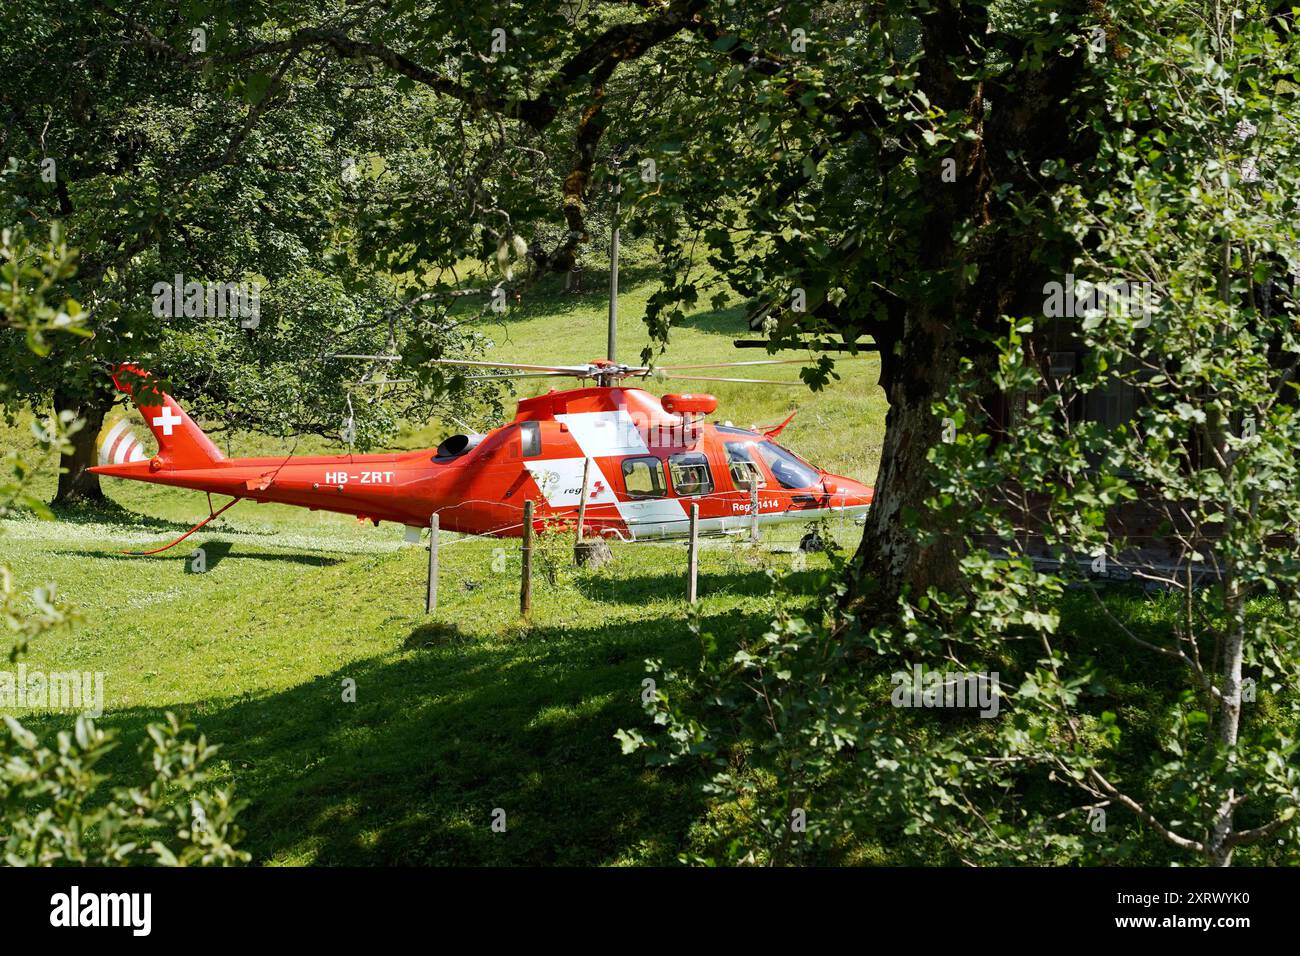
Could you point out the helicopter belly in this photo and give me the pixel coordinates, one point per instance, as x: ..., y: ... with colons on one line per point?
x: 654, y: 517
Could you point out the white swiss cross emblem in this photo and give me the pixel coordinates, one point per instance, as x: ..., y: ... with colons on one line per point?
x: 166, y: 420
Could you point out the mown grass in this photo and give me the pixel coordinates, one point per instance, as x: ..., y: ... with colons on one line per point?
x: 455, y: 714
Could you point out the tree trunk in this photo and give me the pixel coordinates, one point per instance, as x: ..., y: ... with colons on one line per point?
x: 916, y: 371
x: 1219, y: 849
x: 920, y: 361
x: 76, y: 484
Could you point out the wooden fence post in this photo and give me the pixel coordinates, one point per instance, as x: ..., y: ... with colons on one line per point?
x: 431, y: 598
x: 753, y: 510
x: 582, y: 499
x: 693, y: 555
x: 526, y: 585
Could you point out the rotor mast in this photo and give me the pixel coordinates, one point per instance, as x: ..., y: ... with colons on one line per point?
x: 612, y: 345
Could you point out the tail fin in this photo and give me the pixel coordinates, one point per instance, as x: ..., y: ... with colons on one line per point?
x: 773, y: 432
x: 181, y: 443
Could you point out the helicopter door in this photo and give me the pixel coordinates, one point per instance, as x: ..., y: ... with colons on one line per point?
x: 746, y: 471
x: 647, y: 510
x: 643, y: 477
x: 743, y: 466
x: 692, y: 477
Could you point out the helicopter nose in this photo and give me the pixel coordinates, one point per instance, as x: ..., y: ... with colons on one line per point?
x: 847, y: 494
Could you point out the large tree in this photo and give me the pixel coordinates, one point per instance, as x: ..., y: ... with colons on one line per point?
x: 236, y: 174
x: 1120, y: 726
x: 891, y: 181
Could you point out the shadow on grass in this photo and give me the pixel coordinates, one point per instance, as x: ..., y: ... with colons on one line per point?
x: 729, y: 321
x: 441, y: 736
x: 214, y: 551
x: 548, y: 298
x: 111, y: 513
x: 435, y: 634
x: 641, y: 588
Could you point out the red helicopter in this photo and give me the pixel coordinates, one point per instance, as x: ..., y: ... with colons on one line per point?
x: 644, y: 461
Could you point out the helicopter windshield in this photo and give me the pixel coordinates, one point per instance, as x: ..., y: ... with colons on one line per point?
x: 787, y: 468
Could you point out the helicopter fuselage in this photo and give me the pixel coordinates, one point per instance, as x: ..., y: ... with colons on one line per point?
x: 638, y: 467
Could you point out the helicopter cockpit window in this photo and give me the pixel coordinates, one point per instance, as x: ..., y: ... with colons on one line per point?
x: 787, y: 469
x: 530, y: 439
x: 691, y: 475
x: 745, y: 472
x: 643, y: 477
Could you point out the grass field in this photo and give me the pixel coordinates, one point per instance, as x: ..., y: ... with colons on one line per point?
x: 456, y: 714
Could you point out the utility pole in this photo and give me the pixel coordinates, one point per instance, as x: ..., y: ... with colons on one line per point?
x: 431, y: 598
x: 693, y: 556
x: 526, y: 583
x: 613, y: 268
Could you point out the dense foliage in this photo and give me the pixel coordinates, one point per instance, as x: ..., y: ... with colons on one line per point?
x: 52, y: 809
x: 1131, y: 726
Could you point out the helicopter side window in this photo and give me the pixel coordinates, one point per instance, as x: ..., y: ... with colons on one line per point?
x: 787, y: 469
x: 691, y: 475
x: 745, y: 473
x: 530, y: 439
x: 643, y: 477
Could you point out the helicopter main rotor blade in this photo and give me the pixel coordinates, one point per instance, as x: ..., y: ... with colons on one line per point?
x: 582, y: 371
x: 578, y: 370
x: 746, y: 381
x: 493, y: 378
x: 673, y: 368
